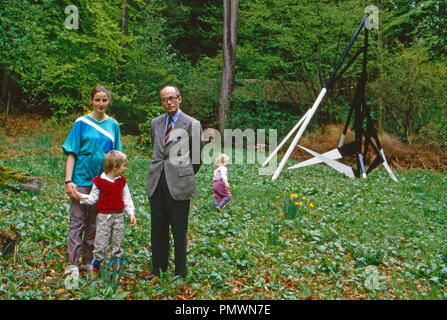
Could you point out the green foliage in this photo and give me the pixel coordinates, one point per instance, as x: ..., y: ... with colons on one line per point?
x: 50, y: 69
x: 145, y: 127
x: 38, y: 43
x: 258, y: 114
x: 194, y: 27
x: 419, y: 20
x: 56, y: 67
x: 290, y: 51
x: 412, y: 97
x: 200, y: 93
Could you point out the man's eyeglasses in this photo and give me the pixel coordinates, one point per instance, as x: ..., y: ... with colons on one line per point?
x: 166, y: 99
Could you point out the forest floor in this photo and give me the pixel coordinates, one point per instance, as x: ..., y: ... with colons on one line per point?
x: 347, y: 238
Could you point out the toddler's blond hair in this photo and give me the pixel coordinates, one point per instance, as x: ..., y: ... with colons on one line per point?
x: 221, y: 160
x: 113, y: 159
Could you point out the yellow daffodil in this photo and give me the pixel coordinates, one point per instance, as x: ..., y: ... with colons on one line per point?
x: 297, y: 203
x: 304, y: 198
x: 301, y: 204
x: 277, y: 197
x: 311, y: 205
x: 293, y: 196
x: 284, y: 191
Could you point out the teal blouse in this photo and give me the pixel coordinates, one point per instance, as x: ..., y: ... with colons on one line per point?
x: 89, y: 140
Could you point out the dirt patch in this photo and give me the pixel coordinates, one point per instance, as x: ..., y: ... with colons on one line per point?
x: 19, y: 133
x: 399, y: 155
x: 26, y: 124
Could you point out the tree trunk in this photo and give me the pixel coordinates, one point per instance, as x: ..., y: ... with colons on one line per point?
x: 231, y: 8
x: 124, y: 19
x: 5, y: 84
x: 6, y: 93
x: 120, y: 72
x: 5, y: 119
x: 381, y: 72
x: 19, y: 181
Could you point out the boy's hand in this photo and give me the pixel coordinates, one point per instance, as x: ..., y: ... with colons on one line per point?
x: 133, y: 221
x: 81, y: 196
x: 228, y: 186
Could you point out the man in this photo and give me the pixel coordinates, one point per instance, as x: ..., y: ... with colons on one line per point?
x: 177, y: 144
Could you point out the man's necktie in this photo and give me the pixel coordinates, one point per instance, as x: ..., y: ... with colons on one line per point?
x: 168, y: 130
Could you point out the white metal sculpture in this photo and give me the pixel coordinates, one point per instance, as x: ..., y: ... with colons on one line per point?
x: 364, y: 137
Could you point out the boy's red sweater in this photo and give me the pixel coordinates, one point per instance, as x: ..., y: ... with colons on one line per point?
x: 110, y: 195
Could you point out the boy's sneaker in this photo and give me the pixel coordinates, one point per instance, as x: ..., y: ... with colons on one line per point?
x: 218, y: 208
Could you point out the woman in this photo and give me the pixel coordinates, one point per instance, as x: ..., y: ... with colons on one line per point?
x: 90, y: 138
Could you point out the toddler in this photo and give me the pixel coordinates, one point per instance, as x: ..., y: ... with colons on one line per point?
x: 111, y: 195
x: 220, y: 182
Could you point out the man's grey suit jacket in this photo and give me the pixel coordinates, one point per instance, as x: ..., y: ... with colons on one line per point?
x: 180, y: 156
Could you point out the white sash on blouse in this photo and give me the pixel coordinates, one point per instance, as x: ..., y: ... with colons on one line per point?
x: 94, y: 125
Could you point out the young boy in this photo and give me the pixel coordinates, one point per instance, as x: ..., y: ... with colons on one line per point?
x: 111, y: 195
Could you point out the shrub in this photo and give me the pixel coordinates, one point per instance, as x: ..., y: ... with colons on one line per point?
x: 152, y: 111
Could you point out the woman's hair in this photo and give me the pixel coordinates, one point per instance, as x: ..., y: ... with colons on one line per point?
x: 99, y: 88
x: 113, y: 159
x: 221, y: 160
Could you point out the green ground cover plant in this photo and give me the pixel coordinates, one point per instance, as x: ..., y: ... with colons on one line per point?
x: 360, y: 239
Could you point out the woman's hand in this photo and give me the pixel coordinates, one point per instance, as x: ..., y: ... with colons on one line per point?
x: 71, y: 189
